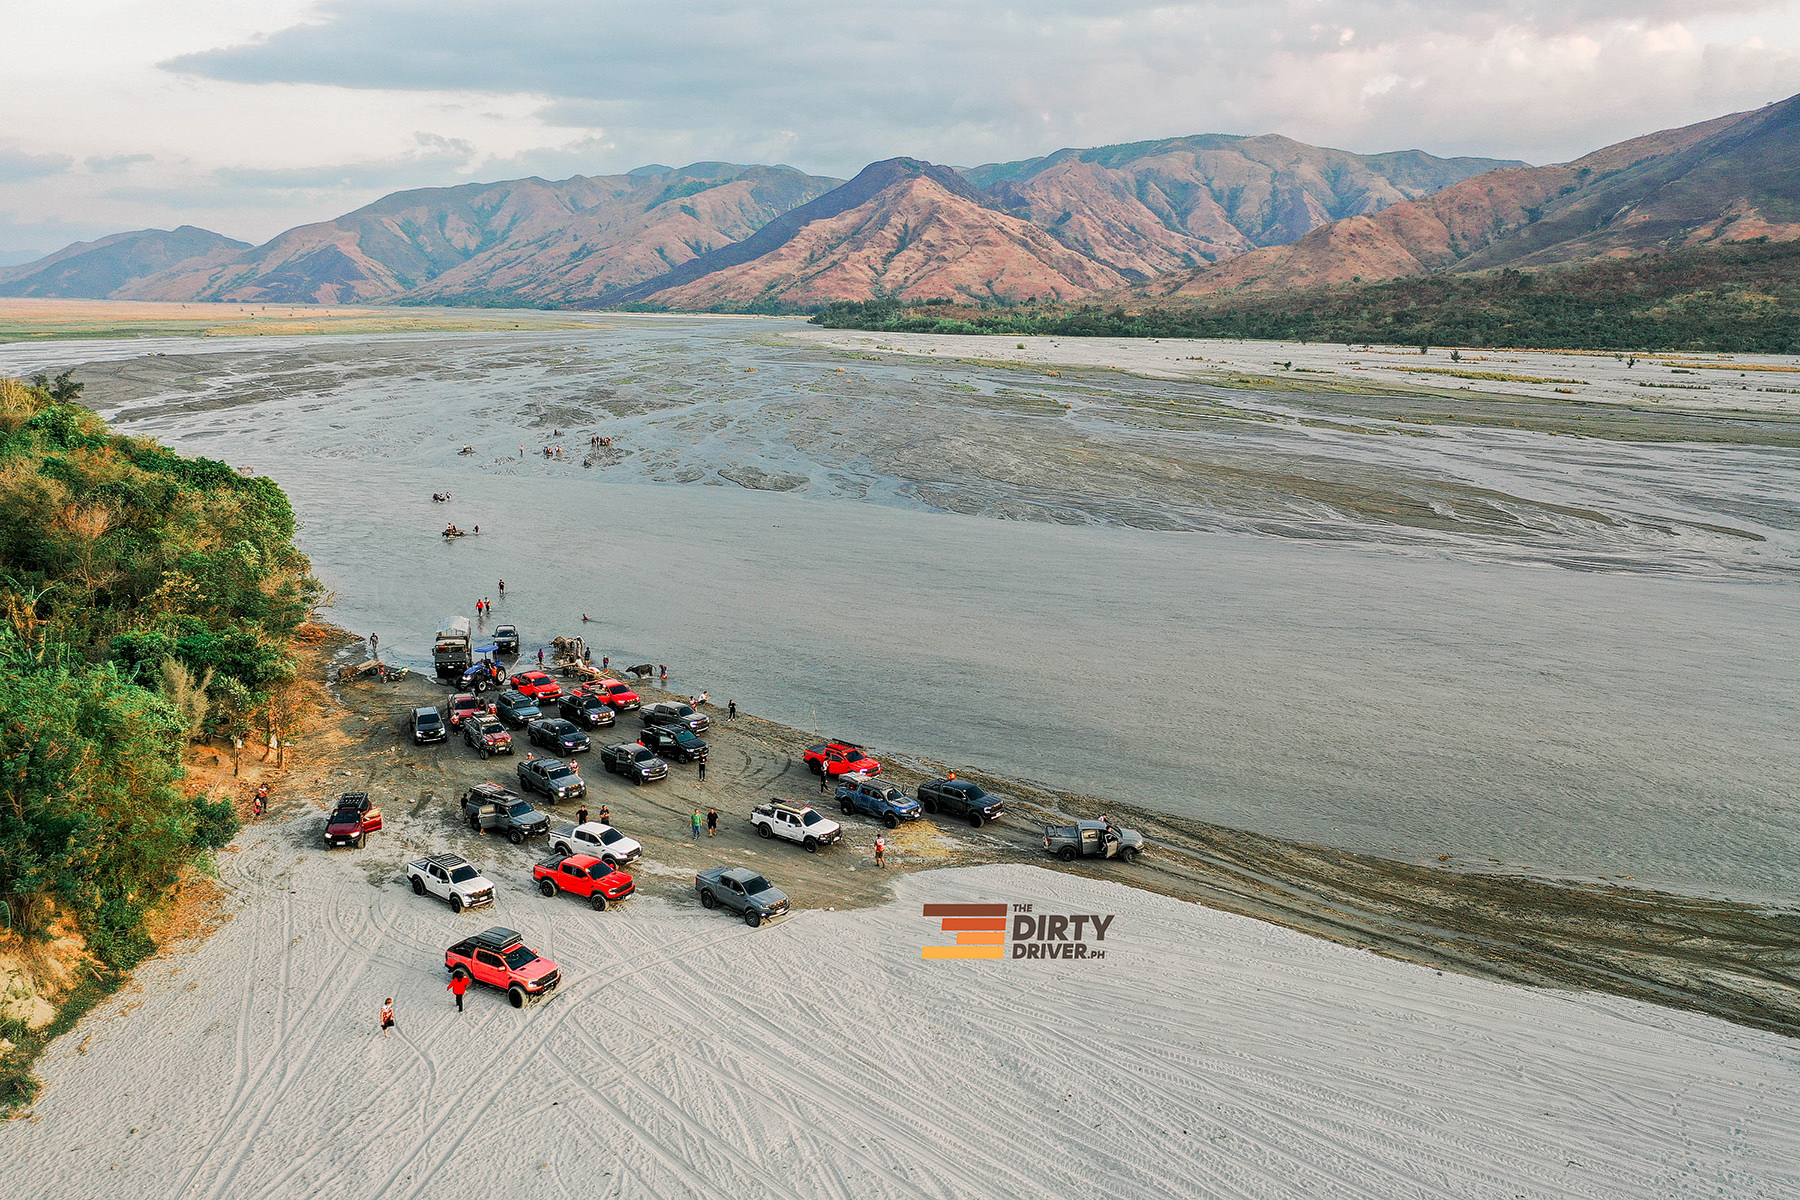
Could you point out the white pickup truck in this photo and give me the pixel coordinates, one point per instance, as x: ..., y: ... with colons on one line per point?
x: 450, y: 877
x: 600, y: 840
x: 797, y: 823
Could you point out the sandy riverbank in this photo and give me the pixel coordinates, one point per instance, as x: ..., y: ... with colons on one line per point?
x: 1206, y: 1053
x: 1713, y: 384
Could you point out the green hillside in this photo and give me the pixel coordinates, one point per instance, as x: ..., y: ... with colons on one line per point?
x: 1739, y: 298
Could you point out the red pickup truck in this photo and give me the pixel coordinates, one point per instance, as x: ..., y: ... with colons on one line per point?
x: 583, y: 875
x: 500, y: 959
x: 840, y: 758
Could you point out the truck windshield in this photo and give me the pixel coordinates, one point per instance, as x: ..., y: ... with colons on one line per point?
x: 811, y: 818
x: 521, y: 810
x: 464, y: 874
x: 518, y: 957
x: 611, y: 835
x: 755, y: 884
x: 560, y: 773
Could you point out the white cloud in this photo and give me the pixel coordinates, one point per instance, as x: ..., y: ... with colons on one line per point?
x: 289, y: 111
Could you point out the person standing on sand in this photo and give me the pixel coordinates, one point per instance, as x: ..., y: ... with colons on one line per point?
x: 731, y: 711
x: 712, y: 820
x: 696, y: 836
x: 881, y: 852
x: 581, y: 815
x: 824, y: 778
x: 703, y: 770
x: 387, y: 1015
x: 459, y: 983
x: 540, y: 656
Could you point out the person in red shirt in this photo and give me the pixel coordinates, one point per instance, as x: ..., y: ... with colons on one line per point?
x: 387, y: 1016
x: 459, y: 983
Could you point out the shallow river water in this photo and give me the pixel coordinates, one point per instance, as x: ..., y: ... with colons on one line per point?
x: 1616, y: 700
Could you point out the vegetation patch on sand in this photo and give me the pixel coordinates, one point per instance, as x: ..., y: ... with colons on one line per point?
x: 146, y: 600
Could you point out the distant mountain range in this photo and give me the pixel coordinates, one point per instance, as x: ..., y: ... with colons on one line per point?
x: 1061, y: 227
x: 1734, y: 178
x: 1146, y: 223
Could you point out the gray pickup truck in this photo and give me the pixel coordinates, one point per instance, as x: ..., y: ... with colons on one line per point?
x: 1093, y: 839
x: 741, y: 890
x: 490, y: 808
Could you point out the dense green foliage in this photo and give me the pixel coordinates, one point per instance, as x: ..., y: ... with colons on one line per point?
x: 144, y: 597
x: 1743, y: 298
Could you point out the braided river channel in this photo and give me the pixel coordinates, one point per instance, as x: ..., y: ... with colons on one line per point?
x: 1485, y: 646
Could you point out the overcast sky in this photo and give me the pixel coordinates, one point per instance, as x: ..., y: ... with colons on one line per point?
x: 251, y: 118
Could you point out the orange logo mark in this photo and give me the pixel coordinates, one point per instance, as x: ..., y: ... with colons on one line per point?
x: 980, y: 930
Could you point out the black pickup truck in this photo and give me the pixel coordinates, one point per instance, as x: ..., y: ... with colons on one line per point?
x: 960, y: 798
x: 674, y: 742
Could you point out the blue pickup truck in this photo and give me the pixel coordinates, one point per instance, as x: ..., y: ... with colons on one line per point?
x: 883, y: 801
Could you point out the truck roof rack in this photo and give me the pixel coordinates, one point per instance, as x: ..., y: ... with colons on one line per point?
x: 446, y: 860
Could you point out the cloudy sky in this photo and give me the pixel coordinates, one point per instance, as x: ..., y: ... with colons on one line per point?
x: 251, y: 118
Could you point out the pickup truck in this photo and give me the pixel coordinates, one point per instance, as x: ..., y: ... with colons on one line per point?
x: 960, y: 798
x: 500, y: 959
x: 598, y: 839
x: 741, y: 890
x: 673, y: 742
x: 490, y: 808
x: 796, y: 823
x: 556, y: 779
x: 883, y: 801
x: 840, y: 758
x: 589, y: 712
x: 352, y: 821
x: 506, y: 639
x: 675, y: 712
x: 487, y: 735
x: 636, y: 760
x: 428, y: 725
x: 450, y: 877
x: 1093, y: 839
x: 516, y: 709
x: 596, y: 881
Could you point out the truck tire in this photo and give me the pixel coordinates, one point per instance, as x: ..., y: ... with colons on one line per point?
x: 515, y: 996
x: 483, y: 753
x: 362, y: 839
x: 975, y: 819
x: 480, y: 686
x: 514, y: 836
x: 475, y: 824
x: 418, y: 886
x: 890, y: 820
x: 1067, y: 854
x: 455, y: 903
x: 707, y: 901
x: 598, y: 901
x: 764, y: 831
x: 812, y: 845
x: 546, y: 887
x: 752, y: 918
x: 1132, y: 854
x: 930, y: 807
x: 847, y: 807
